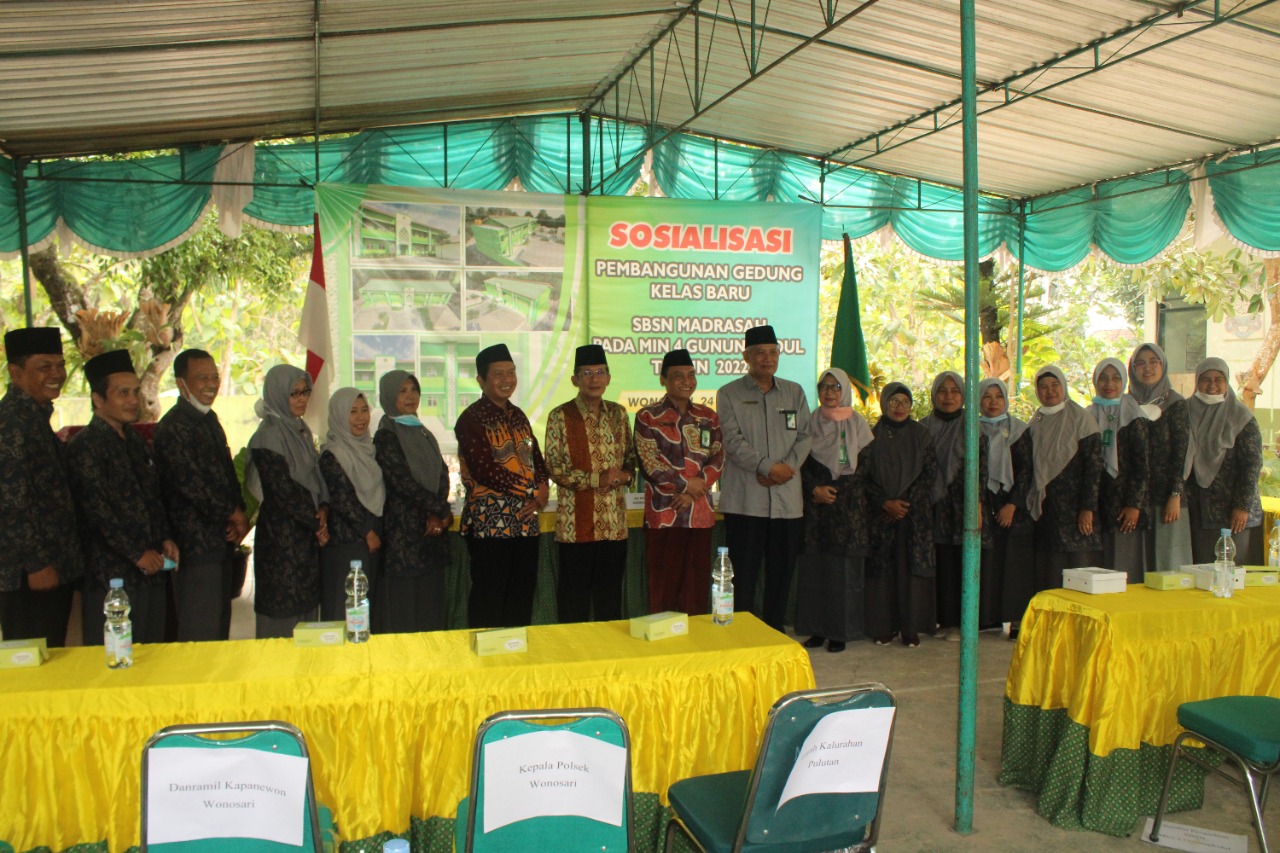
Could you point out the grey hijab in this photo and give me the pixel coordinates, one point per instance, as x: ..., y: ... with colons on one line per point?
x: 282, y: 433
x: 356, y: 455
x: 1154, y: 399
x: 1002, y: 432
x: 830, y: 431
x: 1114, y: 417
x: 1056, y: 437
x: 1214, y: 427
x: 421, y: 450
x: 947, y: 432
x: 897, y: 455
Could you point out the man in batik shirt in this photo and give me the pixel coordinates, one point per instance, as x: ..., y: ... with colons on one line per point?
x: 589, y: 456
x: 681, y: 457
x: 114, y: 480
x: 506, y: 483
x: 39, y: 550
x: 203, y: 495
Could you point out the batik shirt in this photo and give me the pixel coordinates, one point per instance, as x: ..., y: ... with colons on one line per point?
x: 197, y: 477
x: 502, y: 468
x: 580, y: 447
x: 37, y: 512
x: 117, y: 488
x: 674, y: 448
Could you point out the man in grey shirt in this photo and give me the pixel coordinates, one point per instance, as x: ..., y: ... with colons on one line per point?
x: 765, y: 424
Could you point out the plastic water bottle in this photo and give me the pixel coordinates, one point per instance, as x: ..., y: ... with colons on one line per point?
x: 722, y: 588
x: 357, y: 604
x: 117, y: 632
x: 1273, y: 549
x: 1224, y: 565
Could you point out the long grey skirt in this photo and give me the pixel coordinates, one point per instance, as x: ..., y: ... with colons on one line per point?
x: 829, y: 596
x: 1125, y: 552
x: 1168, y: 545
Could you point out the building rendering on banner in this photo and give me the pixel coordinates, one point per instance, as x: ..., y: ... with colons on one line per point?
x: 501, y: 237
x: 386, y: 233
x: 528, y: 297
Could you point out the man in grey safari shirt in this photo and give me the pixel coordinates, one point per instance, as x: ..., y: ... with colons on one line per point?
x: 765, y: 423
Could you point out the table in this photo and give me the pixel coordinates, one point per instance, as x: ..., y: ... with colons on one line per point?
x: 1094, y: 685
x: 389, y: 723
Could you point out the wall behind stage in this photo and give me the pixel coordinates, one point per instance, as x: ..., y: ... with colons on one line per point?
x: 422, y: 280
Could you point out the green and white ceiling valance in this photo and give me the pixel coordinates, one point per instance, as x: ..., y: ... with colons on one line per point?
x: 141, y: 206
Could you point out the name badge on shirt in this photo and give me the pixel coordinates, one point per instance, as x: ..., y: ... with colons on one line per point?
x: 844, y: 455
x: 704, y: 439
x: 789, y: 415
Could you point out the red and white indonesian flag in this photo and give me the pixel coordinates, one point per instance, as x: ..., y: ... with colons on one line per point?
x: 313, y: 333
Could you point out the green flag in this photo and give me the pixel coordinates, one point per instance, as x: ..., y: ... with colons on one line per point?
x: 848, y: 349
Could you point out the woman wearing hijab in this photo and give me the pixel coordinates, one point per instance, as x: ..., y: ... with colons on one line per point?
x: 416, y: 515
x: 900, y: 472
x: 284, y: 473
x: 1123, y: 494
x: 356, y: 495
x: 1226, y: 458
x: 1008, y: 550
x: 829, y: 602
x: 1168, y: 535
x: 946, y: 428
x: 1064, y: 492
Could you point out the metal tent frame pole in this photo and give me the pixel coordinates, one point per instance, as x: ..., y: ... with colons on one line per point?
x: 20, y: 190
x: 972, y: 548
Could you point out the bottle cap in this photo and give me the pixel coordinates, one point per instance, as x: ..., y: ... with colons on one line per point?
x: 396, y: 845
x: 723, y: 549
x: 117, y: 583
x: 356, y: 564
x: 1225, y: 531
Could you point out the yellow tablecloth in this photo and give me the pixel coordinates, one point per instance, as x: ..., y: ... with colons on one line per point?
x: 389, y: 723
x: 1121, y: 664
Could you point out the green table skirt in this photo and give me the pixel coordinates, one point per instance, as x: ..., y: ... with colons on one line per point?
x: 1047, y: 753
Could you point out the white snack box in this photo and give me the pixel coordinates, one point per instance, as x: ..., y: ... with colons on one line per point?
x: 1095, y: 581
x: 1203, y: 573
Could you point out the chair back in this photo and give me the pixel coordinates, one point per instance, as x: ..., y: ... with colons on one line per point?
x: 549, y: 780
x: 827, y: 751
x: 214, y: 746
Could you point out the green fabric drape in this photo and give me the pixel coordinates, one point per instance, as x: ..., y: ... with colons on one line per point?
x: 1246, y: 196
x: 120, y: 207
x: 137, y: 206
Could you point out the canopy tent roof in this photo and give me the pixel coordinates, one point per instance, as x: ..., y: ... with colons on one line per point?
x: 1070, y: 93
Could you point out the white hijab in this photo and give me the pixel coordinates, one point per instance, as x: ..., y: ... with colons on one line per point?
x: 1113, y: 415
x: 1214, y: 425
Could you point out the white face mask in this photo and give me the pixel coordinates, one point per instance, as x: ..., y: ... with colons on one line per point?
x: 1210, y: 399
x: 199, y: 407
x: 1053, y: 410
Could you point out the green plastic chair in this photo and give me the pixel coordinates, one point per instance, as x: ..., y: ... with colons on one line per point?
x: 1246, y: 731
x: 562, y: 833
x: 269, y: 736
x: 738, y: 811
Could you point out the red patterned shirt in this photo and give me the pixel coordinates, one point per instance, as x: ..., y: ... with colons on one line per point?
x: 673, y: 448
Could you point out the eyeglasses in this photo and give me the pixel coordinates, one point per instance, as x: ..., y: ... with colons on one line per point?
x: 830, y: 386
x: 899, y: 403
x: 300, y: 393
x: 599, y: 371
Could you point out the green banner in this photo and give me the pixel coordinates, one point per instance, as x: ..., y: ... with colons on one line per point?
x: 422, y: 280
x: 667, y: 274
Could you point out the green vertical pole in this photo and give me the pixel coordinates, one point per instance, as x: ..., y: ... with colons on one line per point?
x: 1022, y: 295
x: 585, y: 118
x: 20, y: 190
x: 967, y: 725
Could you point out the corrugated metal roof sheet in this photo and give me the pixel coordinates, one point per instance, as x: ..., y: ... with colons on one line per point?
x: 874, y: 83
